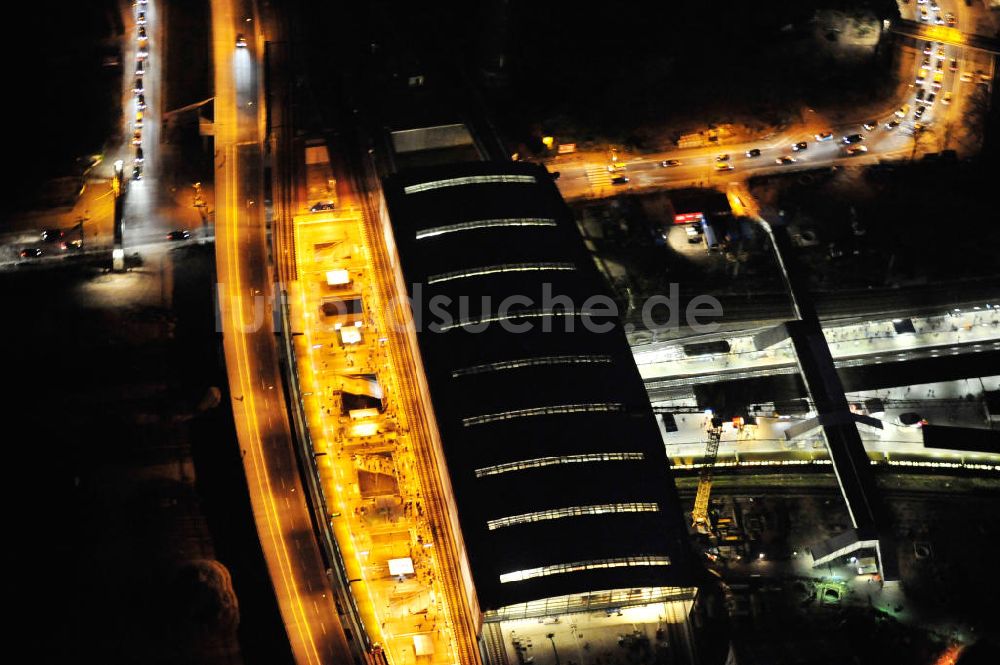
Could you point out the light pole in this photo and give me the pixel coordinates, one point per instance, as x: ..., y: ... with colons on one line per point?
x: 118, y: 251
x: 552, y: 638
x: 80, y: 221
x: 200, y: 205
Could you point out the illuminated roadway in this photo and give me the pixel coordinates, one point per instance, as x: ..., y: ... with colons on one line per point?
x: 281, y: 513
x: 585, y: 175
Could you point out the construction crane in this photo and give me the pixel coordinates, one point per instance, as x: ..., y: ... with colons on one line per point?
x: 699, y: 516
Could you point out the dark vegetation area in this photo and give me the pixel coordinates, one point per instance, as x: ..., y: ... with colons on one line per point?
x: 133, y: 520
x: 774, y: 614
x: 923, y: 222
x: 62, y: 99
x: 636, y: 74
x: 632, y: 72
x: 189, y: 58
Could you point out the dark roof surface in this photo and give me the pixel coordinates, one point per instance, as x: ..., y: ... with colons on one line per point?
x: 501, y: 398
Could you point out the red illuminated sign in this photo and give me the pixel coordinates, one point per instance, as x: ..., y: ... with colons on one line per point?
x: 689, y: 218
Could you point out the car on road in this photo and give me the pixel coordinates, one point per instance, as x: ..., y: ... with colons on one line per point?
x: 138, y: 155
x: 322, y: 205
x: 138, y: 119
x: 785, y: 159
x: 949, y: 18
x: 947, y: 98
x: 724, y: 166
x: 30, y: 253
x: 241, y: 41
x: 924, y: 16
x: 926, y: 61
x: 902, y: 111
x: 52, y: 235
x: 140, y: 18
x: 137, y: 137
x: 892, y: 124
x: 930, y: 98
x: 922, y: 75
x: 853, y: 138
x: 954, y: 65
x: 72, y: 245
x: 801, y: 145
x: 920, y: 94
x: 669, y: 163
x: 142, y: 53
x: 619, y: 180
x: 966, y: 77
x: 938, y: 78
x: 753, y: 152
x: 722, y: 158
x: 617, y: 166
x: 934, y: 6
x: 136, y: 172
x: 140, y: 102
x: 938, y: 20
x: 179, y: 234
x: 928, y: 48
x: 919, y: 112
x: 824, y: 136
x: 137, y: 88
x: 142, y: 32
x: 940, y: 64
x: 140, y: 68
x: 856, y: 150
x: 940, y: 51
x: 870, y: 125
x: 693, y: 232
x: 910, y: 419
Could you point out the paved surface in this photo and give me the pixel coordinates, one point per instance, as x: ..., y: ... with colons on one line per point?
x: 765, y: 444
x: 279, y: 503
x: 861, y: 343
x: 585, y: 175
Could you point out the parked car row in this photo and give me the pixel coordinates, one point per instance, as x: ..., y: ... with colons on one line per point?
x: 138, y: 88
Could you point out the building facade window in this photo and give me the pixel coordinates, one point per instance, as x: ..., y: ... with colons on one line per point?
x: 519, y: 363
x: 497, y: 270
x: 572, y: 511
x: 579, y: 566
x: 539, y: 462
x: 500, y: 223
x: 555, y: 409
x: 468, y: 180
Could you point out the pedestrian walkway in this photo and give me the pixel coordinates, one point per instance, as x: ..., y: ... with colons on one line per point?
x: 360, y: 434
x: 877, y: 341
x: 599, y: 178
x: 952, y: 403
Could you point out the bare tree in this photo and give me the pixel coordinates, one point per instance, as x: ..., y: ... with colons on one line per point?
x: 977, y: 109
